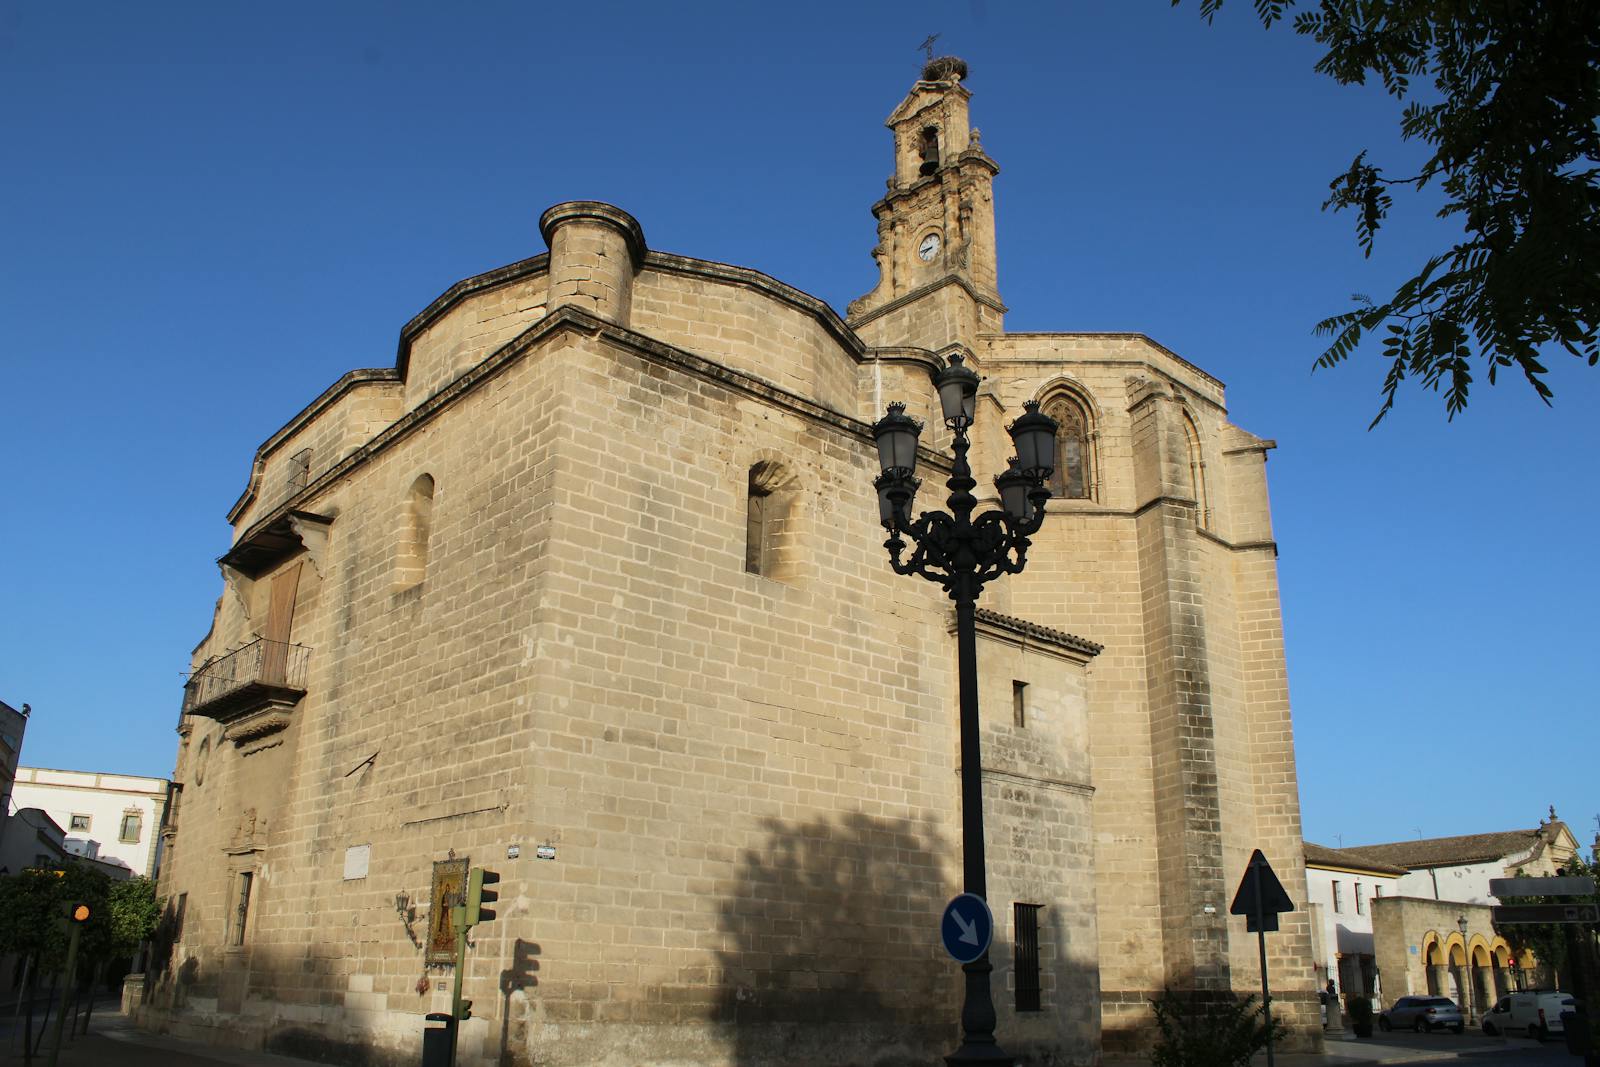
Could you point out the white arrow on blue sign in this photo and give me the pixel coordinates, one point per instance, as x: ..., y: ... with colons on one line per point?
x: 967, y: 927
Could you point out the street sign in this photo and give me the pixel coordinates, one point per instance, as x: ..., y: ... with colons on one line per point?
x: 967, y: 927
x: 1260, y: 894
x: 1545, y: 913
x: 1542, y: 887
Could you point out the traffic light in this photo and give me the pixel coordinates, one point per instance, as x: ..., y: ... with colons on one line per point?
x: 478, y: 896
x: 78, y: 913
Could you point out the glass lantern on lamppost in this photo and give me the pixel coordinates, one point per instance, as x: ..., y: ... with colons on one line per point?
x: 961, y: 552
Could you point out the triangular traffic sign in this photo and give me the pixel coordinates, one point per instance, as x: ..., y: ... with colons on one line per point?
x: 1261, y: 896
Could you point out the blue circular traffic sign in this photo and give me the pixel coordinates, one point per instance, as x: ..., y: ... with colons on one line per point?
x: 967, y: 927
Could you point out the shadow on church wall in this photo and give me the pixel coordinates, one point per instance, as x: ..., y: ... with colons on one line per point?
x: 823, y: 963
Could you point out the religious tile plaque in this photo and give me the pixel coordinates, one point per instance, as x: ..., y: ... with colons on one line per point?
x: 449, y: 889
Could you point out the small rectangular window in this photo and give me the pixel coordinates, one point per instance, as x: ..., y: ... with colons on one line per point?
x: 241, y: 914
x: 1338, y: 897
x: 79, y: 822
x: 131, y: 826
x: 1019, y: 703
x: 177, y: 920
x: 1377, y: 891
x: 1026, y: 959
x: 1361, y: 904
x: 300, y: 469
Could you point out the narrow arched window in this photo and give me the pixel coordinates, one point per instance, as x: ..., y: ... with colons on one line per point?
x: 1197, y: 472
x: 771, y: 495
x: 416, y: 528
x: 1073, y: 476
x: 757, y: 527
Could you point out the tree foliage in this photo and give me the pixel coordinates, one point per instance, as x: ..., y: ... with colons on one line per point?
x: 1511, y: 122
x: 1205, y: 1029
x: 33, y: 914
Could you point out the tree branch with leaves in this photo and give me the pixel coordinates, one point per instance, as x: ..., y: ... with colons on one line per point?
x: 1511, y: 121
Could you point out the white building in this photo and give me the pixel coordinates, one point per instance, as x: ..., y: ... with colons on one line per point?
x: 1341, y: 887
x: 1459, y: 868
x: 114, y: 818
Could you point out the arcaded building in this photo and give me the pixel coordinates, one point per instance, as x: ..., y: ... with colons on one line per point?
x: 589, y: 589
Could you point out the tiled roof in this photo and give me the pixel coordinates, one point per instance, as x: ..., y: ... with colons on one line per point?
x: 1454, y: 851
x: 1322, y: 856
x: 1043, y: 633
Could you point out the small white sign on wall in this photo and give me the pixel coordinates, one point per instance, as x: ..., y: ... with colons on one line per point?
x: 356, y: 858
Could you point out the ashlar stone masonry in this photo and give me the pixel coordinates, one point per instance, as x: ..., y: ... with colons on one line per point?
x: 589, y: 589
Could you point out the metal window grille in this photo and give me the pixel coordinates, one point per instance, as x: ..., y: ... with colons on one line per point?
x: 242, y: 912
x: 1026, y: 947
x: 300, y: 469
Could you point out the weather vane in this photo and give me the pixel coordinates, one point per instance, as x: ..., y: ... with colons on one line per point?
x: 927, y: 45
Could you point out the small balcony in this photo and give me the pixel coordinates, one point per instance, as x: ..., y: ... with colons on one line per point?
x: 262, y: 674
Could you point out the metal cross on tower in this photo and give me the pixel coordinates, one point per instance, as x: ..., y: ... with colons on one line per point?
x: 927, y: 45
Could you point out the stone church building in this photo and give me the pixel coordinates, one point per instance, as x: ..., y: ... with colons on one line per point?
x: 589, y: 589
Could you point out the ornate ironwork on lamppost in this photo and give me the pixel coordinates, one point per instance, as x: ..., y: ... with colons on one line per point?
x: 961, y: 553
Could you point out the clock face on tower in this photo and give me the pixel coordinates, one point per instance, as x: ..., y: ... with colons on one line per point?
x: 929, y: 247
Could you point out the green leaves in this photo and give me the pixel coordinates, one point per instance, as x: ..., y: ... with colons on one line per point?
x: 1209, y: 1029
x: 1516, y: 153
x: 33, y: 907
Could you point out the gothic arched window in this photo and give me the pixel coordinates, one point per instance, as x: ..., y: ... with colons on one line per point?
x: 1073, y: 478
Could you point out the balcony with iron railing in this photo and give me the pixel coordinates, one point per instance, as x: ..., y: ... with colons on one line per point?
x: 261, y: 674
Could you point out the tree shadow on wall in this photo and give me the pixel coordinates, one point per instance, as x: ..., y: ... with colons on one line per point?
x: 830, y: 954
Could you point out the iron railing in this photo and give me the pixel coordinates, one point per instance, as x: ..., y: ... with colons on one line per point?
x: 261, y: 665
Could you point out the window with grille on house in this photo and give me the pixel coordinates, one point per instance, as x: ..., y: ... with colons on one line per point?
x: 241, y: 909
x: 1338, y: 897
x: 1361, y: 903
x: 78, y: 822
x: 1025, y: 946
x: 132, y: 823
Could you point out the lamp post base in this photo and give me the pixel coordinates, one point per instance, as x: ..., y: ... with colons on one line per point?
x: 978, y: 1047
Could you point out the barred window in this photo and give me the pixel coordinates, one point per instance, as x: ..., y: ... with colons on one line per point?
x: 1026, y: 947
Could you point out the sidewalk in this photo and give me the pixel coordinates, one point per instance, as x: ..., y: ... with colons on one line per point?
x: 1344, y: 1049
x: 113, y: 1042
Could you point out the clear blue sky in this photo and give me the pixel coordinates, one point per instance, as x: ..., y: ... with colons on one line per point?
x: 208, y: 212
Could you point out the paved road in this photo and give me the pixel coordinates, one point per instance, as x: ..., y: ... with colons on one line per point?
x: 1460, y: 1050
x: 112, y: 1042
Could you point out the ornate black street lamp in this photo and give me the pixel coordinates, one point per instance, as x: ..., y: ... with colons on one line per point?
x: 961, y: 553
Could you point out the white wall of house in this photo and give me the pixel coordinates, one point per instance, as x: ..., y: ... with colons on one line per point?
x: 1346, y: 914
x: 112, y: 817
x: 31, y: 839
x: 1467, y: 883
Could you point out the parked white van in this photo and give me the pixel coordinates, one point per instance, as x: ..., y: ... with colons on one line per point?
x: 1537, y: 1014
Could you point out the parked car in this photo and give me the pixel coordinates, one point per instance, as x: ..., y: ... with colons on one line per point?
x: 1536, y: 1013
x: 1422, y: 1014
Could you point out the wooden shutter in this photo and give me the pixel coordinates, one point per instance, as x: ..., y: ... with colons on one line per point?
x: 280, y: 619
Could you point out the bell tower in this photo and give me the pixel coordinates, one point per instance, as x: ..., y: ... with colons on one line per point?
x: 935, y: 252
